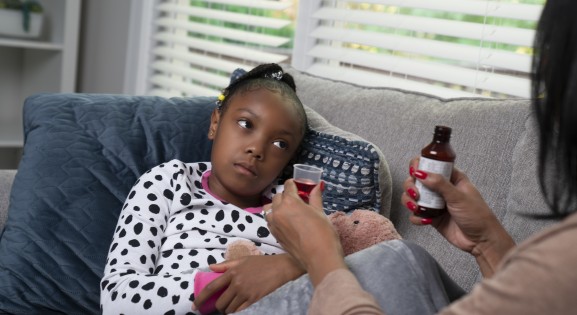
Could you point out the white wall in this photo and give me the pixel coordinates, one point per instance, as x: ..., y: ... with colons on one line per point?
x: 103, y: 45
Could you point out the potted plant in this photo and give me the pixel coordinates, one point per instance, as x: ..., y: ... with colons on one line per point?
x: 20, y: 18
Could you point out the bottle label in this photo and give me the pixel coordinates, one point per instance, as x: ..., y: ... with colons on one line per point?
x: 429, y: 198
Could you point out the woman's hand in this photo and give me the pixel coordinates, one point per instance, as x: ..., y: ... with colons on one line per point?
x: 469, y: 223
x: 305, y: 232
x: 248, y: 279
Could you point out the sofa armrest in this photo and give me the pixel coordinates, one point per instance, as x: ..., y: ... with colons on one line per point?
x: 6, y: 179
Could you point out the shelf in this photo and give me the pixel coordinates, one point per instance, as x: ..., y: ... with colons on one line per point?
x: 37, y: 65
x: 30, y: 44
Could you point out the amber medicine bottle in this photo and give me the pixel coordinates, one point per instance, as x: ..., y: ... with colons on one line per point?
x: 437, y: 157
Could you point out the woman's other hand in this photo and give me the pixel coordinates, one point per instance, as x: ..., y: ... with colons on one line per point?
x: 469, y: 223
x: 305, y: 232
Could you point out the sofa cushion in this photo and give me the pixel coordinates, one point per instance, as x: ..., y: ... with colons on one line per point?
x: 82, y: 155
x: 525, y: 197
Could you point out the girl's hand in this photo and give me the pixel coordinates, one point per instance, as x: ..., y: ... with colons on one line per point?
x: 305, y: 232
x: 248, y: 279
x: 469, y: 224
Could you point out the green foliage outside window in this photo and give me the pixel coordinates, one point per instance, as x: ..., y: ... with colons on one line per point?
x: 288, y: 31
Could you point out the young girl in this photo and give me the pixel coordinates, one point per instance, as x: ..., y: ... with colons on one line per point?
x: 181, y: 216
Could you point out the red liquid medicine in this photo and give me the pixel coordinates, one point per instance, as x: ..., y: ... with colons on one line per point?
x: 304, y: 186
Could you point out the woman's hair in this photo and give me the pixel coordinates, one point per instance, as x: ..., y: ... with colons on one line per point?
x: 554, y: 92
x: 271, y: 77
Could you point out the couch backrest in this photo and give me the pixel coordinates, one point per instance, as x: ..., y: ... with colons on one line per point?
x: 494, y: 140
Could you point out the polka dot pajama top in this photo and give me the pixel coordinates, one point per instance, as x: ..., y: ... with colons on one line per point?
x: 170, y: 225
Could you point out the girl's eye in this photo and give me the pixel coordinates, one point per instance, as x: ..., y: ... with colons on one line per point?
x: 243, y: 123
x: 281, y: 144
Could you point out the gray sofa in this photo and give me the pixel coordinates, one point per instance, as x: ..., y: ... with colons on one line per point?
x: 495, y: 142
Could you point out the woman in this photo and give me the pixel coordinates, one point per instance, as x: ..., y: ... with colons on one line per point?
x: 536, y: 277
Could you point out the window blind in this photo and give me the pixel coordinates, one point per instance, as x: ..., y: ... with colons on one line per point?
x: 197, y: 44
x: 445, y: 47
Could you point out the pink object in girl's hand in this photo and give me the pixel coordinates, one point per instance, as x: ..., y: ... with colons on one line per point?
x: 201, y: 280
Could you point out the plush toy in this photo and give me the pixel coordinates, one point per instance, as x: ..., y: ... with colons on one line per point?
x: 241, y: 248
x: 357, y: 231
x: 362, y: 229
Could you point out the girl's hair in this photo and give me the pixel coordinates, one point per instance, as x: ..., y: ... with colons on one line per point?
x: 554, y: 89
x: 271, y: 77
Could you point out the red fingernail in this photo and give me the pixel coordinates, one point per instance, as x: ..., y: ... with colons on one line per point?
x: 322, y: 186
x: 426, y: 221
x: 420, y: 174
x: 412, y: 193
x: 411, y: 206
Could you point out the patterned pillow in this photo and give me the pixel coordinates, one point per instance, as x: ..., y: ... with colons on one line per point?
x: 355, y: 171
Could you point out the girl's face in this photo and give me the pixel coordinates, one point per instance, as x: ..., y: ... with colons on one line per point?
x: 253, y: 140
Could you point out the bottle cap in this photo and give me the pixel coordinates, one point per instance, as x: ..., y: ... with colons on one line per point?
x: 442, y: 129
x: 442, y: 132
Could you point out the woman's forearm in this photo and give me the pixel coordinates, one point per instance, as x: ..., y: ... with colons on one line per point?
x: 323, y: 263
x: 318, y: 272
x: 490, y: 253
x: 290, y: 267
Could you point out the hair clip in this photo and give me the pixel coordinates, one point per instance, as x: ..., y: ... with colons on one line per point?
x: 220, y: 99
x: 275, y: 75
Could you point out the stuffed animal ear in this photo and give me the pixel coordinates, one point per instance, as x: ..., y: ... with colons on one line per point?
x: 336, y: 216
x: 241, y: 248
